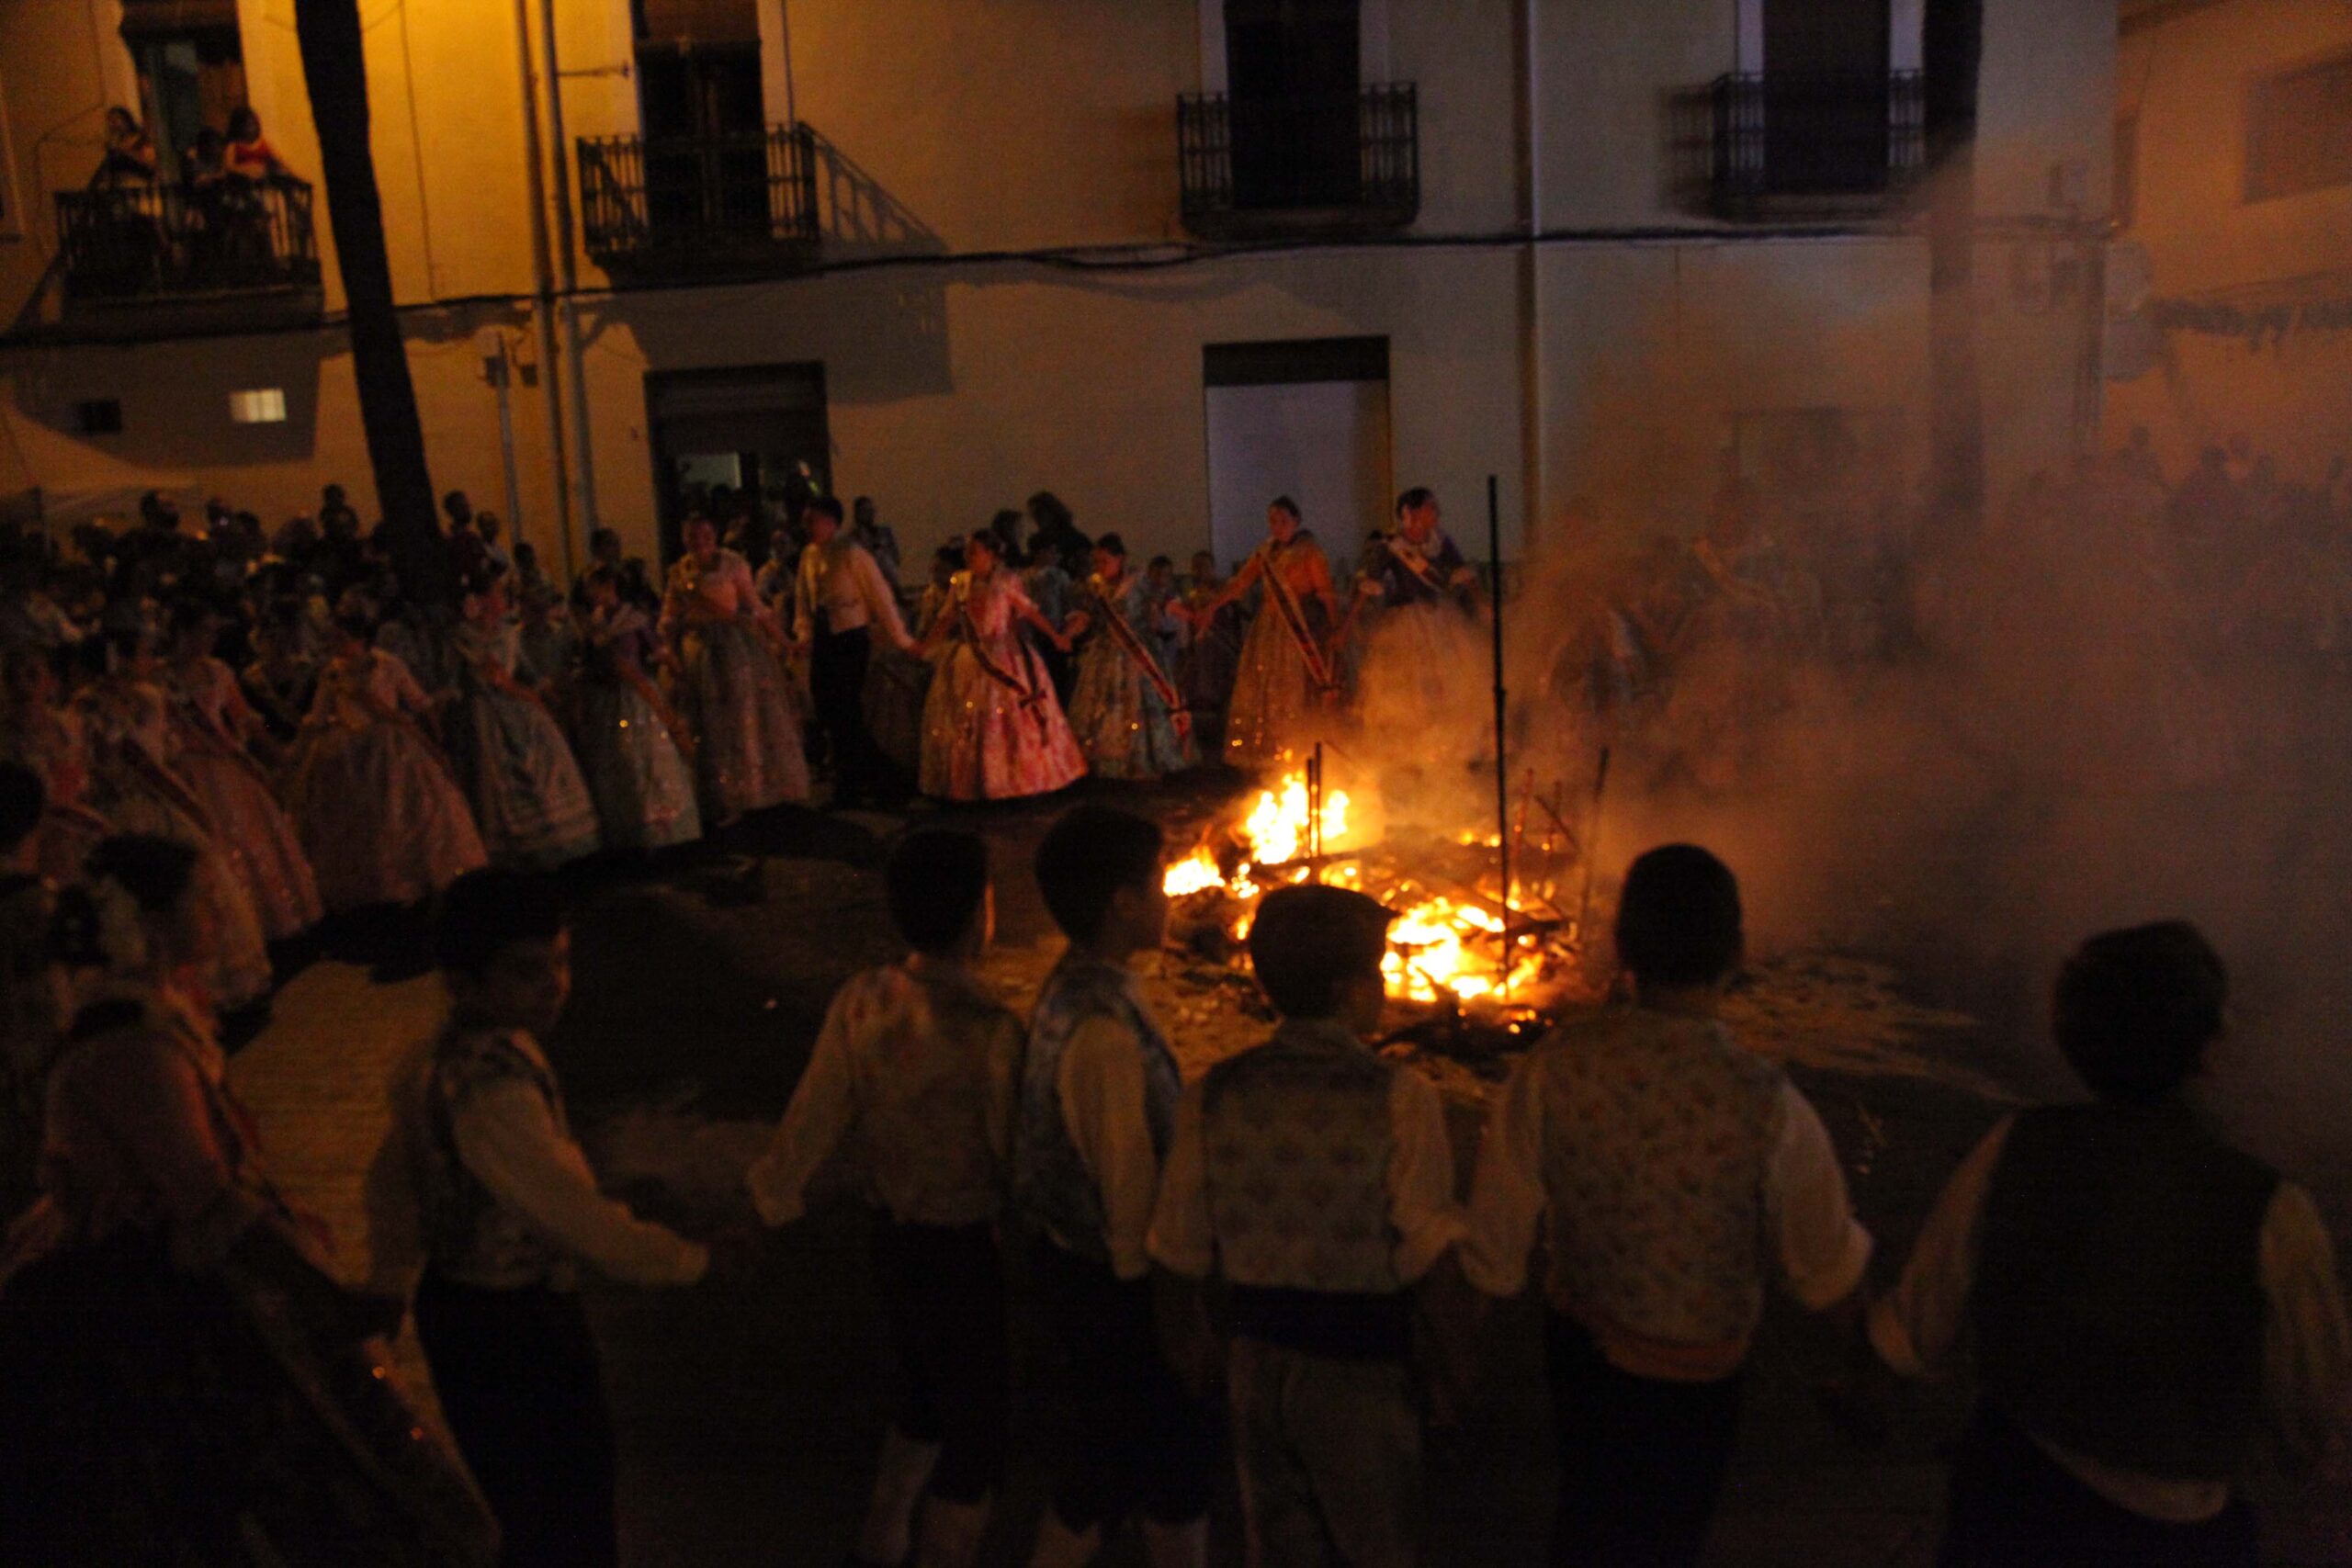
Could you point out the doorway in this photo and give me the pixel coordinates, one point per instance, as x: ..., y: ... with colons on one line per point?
x: 1304, y: 418
x: 746, y: 444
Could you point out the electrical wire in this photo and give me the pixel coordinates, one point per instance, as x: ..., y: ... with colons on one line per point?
x: 1141, y: 257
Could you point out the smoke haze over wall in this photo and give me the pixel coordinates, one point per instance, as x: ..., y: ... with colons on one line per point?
x: 2115, y: 703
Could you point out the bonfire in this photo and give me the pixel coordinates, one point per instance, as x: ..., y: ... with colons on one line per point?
x: 1466, y: 952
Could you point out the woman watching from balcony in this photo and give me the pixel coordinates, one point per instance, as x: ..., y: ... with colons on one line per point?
x: 249, y: 155
x: 130, y: 157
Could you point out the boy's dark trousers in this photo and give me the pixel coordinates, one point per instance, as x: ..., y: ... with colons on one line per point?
x: 837, y: 664
x: 944, y: 1286
x: 1138, y: 1442
x: 519, y: 1379
x: 1642, y: 1460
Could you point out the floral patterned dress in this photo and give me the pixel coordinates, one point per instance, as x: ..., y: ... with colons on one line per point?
x: 133, y: 786
x: 1283, y: 691
x: 1121, y: 709
x: 644, y: 787
x: 49, y: 741
x: 733, y: 690
x: 993, y: 726
x: 186, y: 1385
x: 529, y: 801
x: 209, y: 720
x: 383, y: 817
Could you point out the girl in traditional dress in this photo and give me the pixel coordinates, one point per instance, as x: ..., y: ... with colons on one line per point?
x: 1205, y: 669
x: 748, y: 750
x: 187, y: 1383
x: 383, y: 817
x: 278, y: 683
x: 211, y: 727
x: 627, y: 737
x: 45, y: 736
x: 1126, y: 712
x: 993, y: 727
x: 132, y: 786
x: 529, y: 801
x: 1423, y: 635
x: 1283, y: 691
x: 897, y: 683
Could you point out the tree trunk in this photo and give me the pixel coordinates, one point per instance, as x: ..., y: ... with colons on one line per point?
x: 1951, y: 48
x: 335, y: 61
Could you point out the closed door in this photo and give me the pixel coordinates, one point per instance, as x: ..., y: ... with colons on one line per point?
x: 1324, y: 444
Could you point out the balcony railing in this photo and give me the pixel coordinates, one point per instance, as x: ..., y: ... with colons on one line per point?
x: 174, y: 241
x: 736, y: 200
x: 1787, y: 141
x: 1260, y: 165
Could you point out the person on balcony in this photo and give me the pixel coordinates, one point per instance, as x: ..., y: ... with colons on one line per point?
x: 129, y: 158
x: 249, y: 155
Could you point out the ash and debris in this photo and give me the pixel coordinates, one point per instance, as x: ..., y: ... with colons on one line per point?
x: 1816, y: 1010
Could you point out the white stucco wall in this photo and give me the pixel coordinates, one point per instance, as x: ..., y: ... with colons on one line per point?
x: 1018, y: 125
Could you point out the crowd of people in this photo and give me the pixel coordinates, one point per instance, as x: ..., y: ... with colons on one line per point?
x: 332, y: 741
x: 2146, y: 1304
x: 211, y: 737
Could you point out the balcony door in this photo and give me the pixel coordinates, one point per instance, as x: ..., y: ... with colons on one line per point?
x: 1825, y: 95
x: 1293, y: 79
x: 699, y: 105
x: 191, y: 68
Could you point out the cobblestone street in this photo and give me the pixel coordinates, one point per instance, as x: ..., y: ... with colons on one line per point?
x: 748, y: 1409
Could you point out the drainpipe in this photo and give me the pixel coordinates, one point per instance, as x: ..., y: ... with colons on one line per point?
x: 567, y: 256
x: 783, y: 30
x: 543, y: 279
x: 1531, y: 279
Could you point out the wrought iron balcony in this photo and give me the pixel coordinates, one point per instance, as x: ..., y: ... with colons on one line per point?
x: 220, y: 240
x: 1281, y: 164
x: 741, y: 202
x: 1785, y: 142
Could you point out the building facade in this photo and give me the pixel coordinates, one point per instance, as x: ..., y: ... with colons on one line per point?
x: 2232, y: 272
x: 1165, y: 258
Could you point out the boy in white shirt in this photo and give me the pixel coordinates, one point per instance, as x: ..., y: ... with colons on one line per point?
x: 482, y: 1161
x: 919, y: 1064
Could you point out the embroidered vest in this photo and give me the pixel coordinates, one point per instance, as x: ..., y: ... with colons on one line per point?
x: 1657, y: 1130
x: 471, y: 1235
x: 1050, y: 1183
x: 1298, y: 1140
x: 2118, y: 1305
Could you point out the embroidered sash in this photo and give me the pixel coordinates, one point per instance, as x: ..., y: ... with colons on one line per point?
x: 1133, y: 646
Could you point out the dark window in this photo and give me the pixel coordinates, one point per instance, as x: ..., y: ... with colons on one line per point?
x: 1292, y: 77
x: 2127, y: 172
x: 98, y: 416
x: 2299, y: 132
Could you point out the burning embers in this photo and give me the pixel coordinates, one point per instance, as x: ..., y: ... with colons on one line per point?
x: 1456, y: 942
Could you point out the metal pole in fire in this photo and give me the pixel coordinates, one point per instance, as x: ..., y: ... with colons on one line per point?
x: 1314, y: 814
x: 1502, y: 768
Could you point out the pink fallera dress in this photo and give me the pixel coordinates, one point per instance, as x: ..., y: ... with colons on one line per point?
x: 48, y: 740
x: 993, y: 727
x: 133, y: 786
x: 733, y: 691
x: 209, y: 719
x: 383, y: 817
